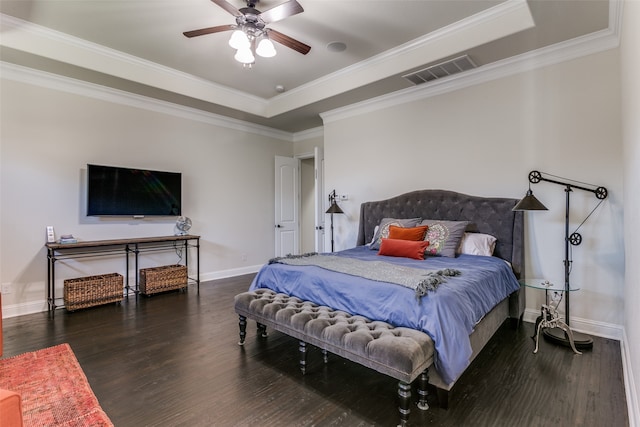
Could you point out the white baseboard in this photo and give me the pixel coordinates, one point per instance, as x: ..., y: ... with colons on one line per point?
x: 230, y: 273
x: 631, y: 391
x: 616, y: 332
x: 600, y: 329
x: 14, y: 310
x: 586, y: 326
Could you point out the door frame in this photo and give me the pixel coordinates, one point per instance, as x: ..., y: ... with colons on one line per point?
x: 319, y: 199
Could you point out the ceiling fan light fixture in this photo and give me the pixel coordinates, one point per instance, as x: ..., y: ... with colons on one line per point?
x: 265, y: 48
x: 250, y: 35
x: 245, y: 56
x: 239, y: 40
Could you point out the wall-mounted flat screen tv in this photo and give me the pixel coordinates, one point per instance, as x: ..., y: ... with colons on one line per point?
x: 118, y: 191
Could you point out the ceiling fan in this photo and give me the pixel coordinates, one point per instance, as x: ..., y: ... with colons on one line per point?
x: 250, y: 32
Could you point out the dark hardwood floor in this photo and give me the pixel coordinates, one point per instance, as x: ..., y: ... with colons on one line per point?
x: 173, y: 360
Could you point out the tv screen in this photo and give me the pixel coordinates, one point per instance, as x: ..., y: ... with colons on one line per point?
x: 132, y: 192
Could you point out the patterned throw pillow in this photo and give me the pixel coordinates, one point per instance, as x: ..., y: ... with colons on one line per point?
x: 383, y: 229
x: 444, y: 236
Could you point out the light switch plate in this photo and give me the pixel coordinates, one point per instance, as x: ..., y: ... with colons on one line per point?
x: 51, y: 235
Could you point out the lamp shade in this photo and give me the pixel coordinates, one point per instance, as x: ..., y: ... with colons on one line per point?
x: 239, y: 40
x: 530, y: 203
x: 334, y: 208
x: 266, y: 48
x: 245, y: 56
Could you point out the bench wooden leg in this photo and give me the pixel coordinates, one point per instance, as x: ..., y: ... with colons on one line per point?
x: 303, y: 357
x: 423, y: 383
x: 404, y: 403
x: 243, y: 329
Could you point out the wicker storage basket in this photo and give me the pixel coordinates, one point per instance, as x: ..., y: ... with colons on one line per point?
x: 83, y: 292
x: 160, y: 279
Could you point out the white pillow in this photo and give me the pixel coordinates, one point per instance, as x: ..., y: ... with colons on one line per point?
x: 477, y: 244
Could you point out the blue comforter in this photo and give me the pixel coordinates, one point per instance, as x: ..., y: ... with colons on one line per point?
x: 448, y: 314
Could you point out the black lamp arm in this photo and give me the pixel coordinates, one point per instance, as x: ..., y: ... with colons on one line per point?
x: 535, y: 177
x: 332, y: 196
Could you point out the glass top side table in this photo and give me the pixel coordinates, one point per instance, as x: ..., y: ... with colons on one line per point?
x: 549, y: 316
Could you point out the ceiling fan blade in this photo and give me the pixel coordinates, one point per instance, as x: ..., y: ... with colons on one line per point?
x: 209, y: 30
x: 228, y: 7
x: 284, y: 10
x: 289, y: 42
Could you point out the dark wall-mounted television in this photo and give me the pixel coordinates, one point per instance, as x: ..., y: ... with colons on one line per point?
x: 118, y: 191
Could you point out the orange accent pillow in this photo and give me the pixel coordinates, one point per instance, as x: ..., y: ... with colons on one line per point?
x: 408, y: 233
x: 403, y: 248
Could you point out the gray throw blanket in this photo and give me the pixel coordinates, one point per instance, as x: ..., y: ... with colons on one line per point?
x: 421, y: 281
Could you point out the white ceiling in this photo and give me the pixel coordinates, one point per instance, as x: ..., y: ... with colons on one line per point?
x: 138, y: 46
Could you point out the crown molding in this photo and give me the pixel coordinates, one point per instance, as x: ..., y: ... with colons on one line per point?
x: 77, y: 87
x: 501, y: 20
x: 42, y: 41
x: 488, y: 15
x: 496, y: 22
x: 317, y: 132
x: 571, y: 49
x: 581, y: 46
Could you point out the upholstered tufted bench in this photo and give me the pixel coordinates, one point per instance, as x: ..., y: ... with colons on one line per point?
x: 402, y: 353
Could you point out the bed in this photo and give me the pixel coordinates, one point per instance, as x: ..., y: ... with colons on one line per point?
x: 461, y: 312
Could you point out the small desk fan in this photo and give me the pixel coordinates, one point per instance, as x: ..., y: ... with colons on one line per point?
x: 183, y: 224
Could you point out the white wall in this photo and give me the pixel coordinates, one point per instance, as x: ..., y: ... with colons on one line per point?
x: 304, y: 147
x: 630, y: 68
x: 48, y: 137
x: 562, y: 119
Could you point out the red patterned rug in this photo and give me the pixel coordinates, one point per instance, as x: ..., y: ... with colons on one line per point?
x: 54, y: 389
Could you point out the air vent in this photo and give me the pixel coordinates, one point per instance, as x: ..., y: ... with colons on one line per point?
x: 444, y: 69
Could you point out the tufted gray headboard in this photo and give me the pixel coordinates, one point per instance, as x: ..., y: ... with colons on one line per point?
x: 490, y: 215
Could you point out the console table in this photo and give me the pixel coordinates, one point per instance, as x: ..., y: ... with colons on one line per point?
x: 96, y: 248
